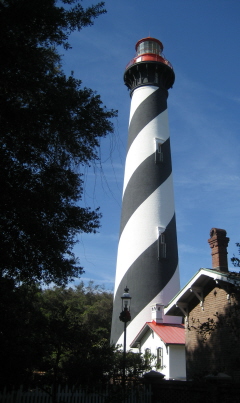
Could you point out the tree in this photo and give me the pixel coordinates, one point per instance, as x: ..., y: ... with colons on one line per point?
x: 136, y: 365
x: 54, y: 336
x: 50, y: 126
x: 77, y: 334
x: 234, y: 259
x: 59, y: 336
x: 21, y: 331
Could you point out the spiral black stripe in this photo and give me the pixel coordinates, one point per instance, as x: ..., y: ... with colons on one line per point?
x: 145, y: 180
x: 147, y: 277
x: 149, y: 109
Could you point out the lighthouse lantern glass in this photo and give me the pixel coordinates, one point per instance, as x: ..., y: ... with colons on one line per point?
x: 149, y: 47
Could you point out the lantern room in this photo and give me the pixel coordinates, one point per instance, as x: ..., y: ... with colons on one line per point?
x: 149, y: 45
x: 149, y: 66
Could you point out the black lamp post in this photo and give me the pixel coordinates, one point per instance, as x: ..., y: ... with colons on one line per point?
x: 125, y: 317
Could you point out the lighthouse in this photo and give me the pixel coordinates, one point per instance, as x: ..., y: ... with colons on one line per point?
x: 147, y: 260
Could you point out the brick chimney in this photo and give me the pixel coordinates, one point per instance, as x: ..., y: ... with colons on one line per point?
x: 219, y: 243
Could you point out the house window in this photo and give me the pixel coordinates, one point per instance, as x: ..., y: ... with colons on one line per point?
x: 162, y: 246
x: 159, y: 357
x: 147, y: 356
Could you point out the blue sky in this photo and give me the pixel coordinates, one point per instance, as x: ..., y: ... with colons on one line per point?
x: 201, y: 39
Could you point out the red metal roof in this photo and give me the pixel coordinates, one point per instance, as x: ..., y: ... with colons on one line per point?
x: 169, y: 333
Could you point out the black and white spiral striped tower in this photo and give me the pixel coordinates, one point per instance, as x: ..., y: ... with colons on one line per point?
x: 147, y: 261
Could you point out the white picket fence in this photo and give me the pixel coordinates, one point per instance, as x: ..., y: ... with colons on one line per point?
x: 66, y: 395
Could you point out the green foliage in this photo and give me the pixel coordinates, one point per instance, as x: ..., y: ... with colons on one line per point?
x: 50, y: 126
x: 234, y: 259
x: 61, y: 335
x: 77, y: 330
x: 136, y: 365
x: 21, y: 330
x: 54, y: 336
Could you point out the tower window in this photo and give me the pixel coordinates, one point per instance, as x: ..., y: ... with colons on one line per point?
x: 162, y: 246
x: 158, y: 152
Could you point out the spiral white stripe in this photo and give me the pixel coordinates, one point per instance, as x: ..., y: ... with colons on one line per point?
x: 156, y: 211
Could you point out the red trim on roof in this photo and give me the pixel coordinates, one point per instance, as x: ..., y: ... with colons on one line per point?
x: 149, y: 57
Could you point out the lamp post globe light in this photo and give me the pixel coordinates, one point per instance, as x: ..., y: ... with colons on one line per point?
x: 125, y: 317
x: 126, y: 301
